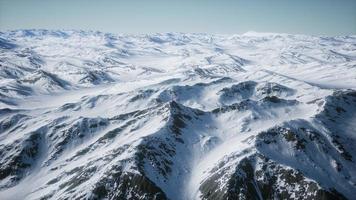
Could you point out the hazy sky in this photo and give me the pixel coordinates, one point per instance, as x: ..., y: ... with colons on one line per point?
x: 318, y: 17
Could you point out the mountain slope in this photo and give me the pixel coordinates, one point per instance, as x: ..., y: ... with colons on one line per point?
x: 91, y: 115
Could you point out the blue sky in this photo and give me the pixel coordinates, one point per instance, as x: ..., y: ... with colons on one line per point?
x: 316, y: 17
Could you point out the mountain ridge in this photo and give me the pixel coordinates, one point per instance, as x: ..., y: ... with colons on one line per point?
x: 91, y: 115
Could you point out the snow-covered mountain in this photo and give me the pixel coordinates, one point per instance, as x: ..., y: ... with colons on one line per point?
x: 91, y: 115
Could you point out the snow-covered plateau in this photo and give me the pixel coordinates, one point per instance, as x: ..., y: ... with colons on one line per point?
x: 91, y: 115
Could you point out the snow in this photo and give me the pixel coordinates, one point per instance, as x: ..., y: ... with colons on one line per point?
x: 59, y: 79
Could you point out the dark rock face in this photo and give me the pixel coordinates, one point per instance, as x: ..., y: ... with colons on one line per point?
x: 274, y: 89
x: 243, y: 90
x: 23, y: 155
x: 257, y: 177
x: 251, y: 89
x: 126, y: 186
x: 339, y: 110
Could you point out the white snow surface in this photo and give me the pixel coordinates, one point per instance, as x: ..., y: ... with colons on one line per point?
x: 73, y: 87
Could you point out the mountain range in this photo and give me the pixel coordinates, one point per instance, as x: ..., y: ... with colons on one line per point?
x: 180, y: 116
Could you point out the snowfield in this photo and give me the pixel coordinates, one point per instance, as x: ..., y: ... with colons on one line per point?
x: 92, y: 115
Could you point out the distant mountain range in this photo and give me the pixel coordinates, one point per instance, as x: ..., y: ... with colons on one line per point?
x: 91, y: 115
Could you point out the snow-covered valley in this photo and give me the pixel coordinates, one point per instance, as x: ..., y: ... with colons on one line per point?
x: 91, y: 115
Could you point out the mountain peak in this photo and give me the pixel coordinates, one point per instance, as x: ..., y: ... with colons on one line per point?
x: 92, y: 115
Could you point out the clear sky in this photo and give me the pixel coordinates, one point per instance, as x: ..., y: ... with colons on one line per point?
x: 317, y: 17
